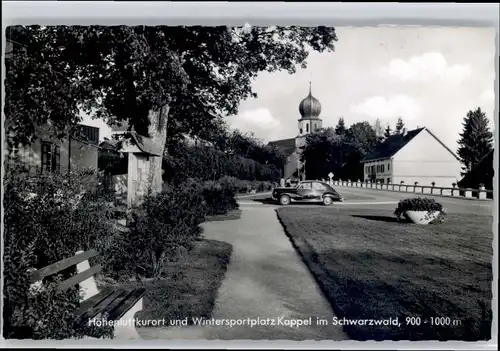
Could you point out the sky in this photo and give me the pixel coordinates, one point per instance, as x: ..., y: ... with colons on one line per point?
x: 429, y: 76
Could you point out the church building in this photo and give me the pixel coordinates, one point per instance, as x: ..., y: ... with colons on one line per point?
x: 310, y: 109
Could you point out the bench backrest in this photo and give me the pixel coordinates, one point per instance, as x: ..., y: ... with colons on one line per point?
x: 54, y: 268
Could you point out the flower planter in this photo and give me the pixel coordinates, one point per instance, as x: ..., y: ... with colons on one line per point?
x: 421, y: 217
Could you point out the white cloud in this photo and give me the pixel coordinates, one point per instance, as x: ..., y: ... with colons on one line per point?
x: 488, y: 95
x: 426, y: 67
x: 259, y: 120
x: 389, y: 108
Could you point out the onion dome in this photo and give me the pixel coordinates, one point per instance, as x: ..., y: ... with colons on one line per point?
x: 310, y: 107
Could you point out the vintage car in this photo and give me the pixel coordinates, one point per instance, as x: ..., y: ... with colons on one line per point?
x: 307, y: 191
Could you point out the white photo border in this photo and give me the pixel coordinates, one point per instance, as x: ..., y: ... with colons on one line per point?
x: 263, y: 13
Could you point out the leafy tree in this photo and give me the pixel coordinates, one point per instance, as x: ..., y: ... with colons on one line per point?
x: 145, y: 76
x: 340, y: 128
x: 399, y: 126
x: 323, y: 153
x: 360, y: 141
x: 387, y: 131
x: 476, y: 139
x: 327, y: 151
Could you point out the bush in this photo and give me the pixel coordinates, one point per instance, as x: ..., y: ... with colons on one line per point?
x: 47, y: 218
x: 163, y: 227
x: 207, y: 163
x: 418, y: 204
x: 219, y: 198
x: 245, y: 186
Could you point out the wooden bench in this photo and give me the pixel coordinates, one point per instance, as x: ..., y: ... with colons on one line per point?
x: 113, y: 304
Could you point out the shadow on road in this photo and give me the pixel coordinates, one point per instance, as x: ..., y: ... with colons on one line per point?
x: 266, y: 201
x: 379, y: 218
x: 270, y: 201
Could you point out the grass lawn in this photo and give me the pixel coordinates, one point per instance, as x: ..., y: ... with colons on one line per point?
x: 235, y: 214
x: 371, y: 267
x: 190, y: 287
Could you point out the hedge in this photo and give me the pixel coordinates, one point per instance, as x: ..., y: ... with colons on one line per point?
x: 207, y: 163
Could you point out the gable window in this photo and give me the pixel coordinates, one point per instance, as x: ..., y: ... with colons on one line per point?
x: 51, y: 157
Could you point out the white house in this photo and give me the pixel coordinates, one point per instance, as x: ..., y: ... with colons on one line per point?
x: 415, y: 156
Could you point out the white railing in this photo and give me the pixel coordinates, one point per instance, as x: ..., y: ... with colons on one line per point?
x: 481, y: 194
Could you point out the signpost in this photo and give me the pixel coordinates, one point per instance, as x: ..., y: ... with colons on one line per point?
x: 330, y: 175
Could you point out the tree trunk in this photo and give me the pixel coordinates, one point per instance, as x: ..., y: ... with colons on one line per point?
x: 158, y: 263
x: 158, y: 133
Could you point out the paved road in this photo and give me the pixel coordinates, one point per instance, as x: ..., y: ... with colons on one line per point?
x: 265, y: 279
x: 453, y: 205
x: 366, y: 198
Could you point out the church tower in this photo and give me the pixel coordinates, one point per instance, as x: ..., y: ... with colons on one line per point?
x: 310, y: 109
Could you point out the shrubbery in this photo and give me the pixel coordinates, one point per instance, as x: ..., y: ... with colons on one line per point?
x: 219, y: 198
x: 164, y: 226
x: 418, y: 204
x: 47, y: 218
x: 245, y: 186
x: 207, y: 163
x: 50, y: 217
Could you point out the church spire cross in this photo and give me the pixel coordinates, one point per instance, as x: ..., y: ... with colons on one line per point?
x: 310, y: 83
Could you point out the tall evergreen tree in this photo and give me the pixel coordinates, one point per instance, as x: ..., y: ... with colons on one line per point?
x: 340, y: 128
x: 387, y: 131
x: 400, y: 125
x: 476, y: 139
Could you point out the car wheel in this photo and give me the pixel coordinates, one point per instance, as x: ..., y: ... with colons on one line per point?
x: 327, y: 201
x: 285, y: 200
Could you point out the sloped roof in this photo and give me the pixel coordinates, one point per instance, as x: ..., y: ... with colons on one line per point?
x: 286, y: 146
x: 110, y: 144
x: 391, y: 145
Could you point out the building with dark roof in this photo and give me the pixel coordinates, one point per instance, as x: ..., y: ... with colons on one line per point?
x: 415, y: 156
x: 481, y: 173
x: 309, y: 109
